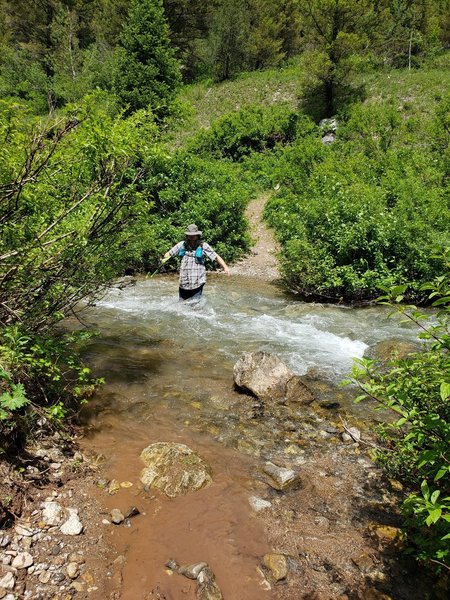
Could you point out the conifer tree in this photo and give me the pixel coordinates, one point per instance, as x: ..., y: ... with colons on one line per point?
x: 147, y: 72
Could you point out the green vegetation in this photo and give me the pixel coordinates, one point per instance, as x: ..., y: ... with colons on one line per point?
x: 106, y: 156
x: 416, y: 446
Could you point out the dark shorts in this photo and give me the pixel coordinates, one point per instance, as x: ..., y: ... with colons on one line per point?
x: 187, y: 294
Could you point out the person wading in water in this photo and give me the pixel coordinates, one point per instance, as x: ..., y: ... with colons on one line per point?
x: 192, y: 270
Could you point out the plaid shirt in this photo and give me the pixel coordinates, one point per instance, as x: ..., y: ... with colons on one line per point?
x: 192, y: 274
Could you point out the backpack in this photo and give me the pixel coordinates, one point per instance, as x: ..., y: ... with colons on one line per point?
x: 199, y: 258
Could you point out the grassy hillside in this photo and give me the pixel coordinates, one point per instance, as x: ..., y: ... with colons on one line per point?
x: 416, y: 92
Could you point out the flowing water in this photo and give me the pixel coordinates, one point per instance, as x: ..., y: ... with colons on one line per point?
x: 169, y: 372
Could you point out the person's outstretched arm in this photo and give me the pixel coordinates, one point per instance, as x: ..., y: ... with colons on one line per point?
x: 223, y: 264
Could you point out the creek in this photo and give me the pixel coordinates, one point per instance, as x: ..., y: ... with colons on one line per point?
x: 169, y: 377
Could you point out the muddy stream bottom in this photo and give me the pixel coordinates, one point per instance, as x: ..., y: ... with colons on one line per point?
x: 169, y: 373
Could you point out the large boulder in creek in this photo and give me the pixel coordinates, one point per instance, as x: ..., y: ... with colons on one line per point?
x: 267, y: 377
x: 174, y: 469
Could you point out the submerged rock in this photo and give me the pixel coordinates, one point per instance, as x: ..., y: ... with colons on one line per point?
x: 192, y: 571
x: 280, y: 478
x: 22, y: 560
x: 116, y: 516
x: 267, y: 377
x: 207, y: 588
x: 174, y: 469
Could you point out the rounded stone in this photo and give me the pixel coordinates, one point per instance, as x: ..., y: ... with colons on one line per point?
x: 174, y: 469
x: 277, y: 565
x: 72, y: 570
x: 22, y: 561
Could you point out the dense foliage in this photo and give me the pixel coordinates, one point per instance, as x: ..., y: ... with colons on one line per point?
x: 366, y: 211
x: 147, y: 74
x: 416, y: 447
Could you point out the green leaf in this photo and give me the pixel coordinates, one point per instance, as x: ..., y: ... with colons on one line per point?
x: 445, y: 390
x: 14, y: 399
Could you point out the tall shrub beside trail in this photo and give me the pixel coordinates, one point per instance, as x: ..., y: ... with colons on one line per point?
x: 147, y: 72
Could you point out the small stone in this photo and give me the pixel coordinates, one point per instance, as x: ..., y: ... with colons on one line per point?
x: 4, y: 540
x: 3, y: 592
x: 6, y: 560
x: 73, y: 525
x: 116, y: 516
x: 58, y: 577
x: 133, y: 511
x: 7, y: 581
x: 352, y: 434
x: 22, y: 560
x: 126, y: 484
x: 258, y: 504
x: 24, y: 530
x: 44, y: 577
x: 172, y: 564
x: 280, y: 478
x: 72, y: 570
x: 76, y: 557
x: 277, y: 564
x: 106, y: 522
x: 363, y: 561
x: 56, y: 550
x: 192, y: 571
x: 77, y: 586
x: 113, y: 487
x: 207, y: 588
x: 51, y: 513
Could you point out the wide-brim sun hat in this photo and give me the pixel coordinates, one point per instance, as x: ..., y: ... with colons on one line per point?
x: 192, y: 230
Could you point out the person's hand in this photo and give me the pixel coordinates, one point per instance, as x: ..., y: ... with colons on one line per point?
x: 165, y: 259
x: 227, y: 271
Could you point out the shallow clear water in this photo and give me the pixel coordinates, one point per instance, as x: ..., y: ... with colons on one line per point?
x: 237, y: 315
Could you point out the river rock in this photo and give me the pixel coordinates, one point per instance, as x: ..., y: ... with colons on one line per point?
x: 174, y: 469
x: 258, y: 504
x: 22, y: 560
x: 352, y: 434
x: 72, y: 570
x: 73, y: 525
x: 281, y: 478
x: 24, y: 529
x: 192, y: 571
x: 268, y: 378
x: 7, y: 582
x: 51, y: 513
x: 277, y: 565
x: 116, y: 516
x: 207, y: 588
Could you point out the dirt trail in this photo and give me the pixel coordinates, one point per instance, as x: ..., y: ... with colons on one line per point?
x: 261, y: 261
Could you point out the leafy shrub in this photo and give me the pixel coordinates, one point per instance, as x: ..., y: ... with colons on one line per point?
x: 41, y: 379
x: 365, y: 212
x: 192, y: 189
x: 417, y: 445
x: 251, y: 129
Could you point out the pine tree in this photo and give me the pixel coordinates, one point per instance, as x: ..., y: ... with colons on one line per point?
x: 228, y: 39
x: 147, y: 72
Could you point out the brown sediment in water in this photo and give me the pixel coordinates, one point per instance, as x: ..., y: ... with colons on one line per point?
x: 214, y: 525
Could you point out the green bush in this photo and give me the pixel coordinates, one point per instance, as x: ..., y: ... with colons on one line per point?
x: 366, y: 211
x: 416, y: 447
x: 42, y: 380
x: 251, y: 129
